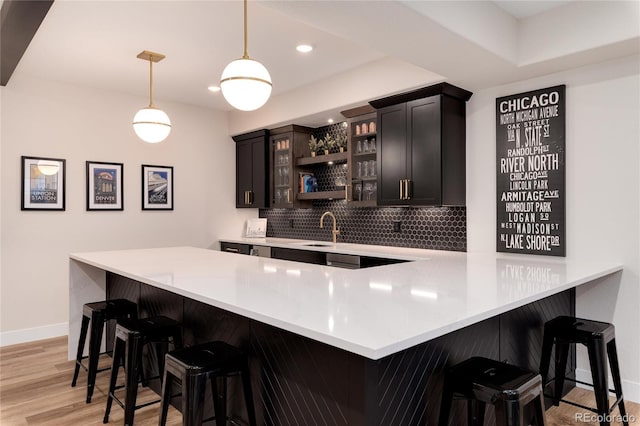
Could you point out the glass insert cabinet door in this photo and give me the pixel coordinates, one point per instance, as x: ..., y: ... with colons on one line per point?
x: 282, y: 195
x: 363, y: 164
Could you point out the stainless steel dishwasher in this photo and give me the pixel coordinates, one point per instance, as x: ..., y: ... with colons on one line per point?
x: 261, y: 251
x: 346, y: 261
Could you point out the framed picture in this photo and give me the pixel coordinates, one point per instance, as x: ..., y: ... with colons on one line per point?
x: 104, y: 186
x: 157, y: 187
x: 43, y: 183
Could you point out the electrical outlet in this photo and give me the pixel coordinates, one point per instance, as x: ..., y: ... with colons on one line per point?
x: 397, y: 225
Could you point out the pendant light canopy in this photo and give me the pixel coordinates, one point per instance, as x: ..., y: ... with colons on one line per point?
x: 246, y: 83
x: 151, y: 124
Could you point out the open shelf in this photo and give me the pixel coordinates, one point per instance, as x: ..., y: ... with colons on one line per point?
x: 320, y: 159
x: 321, y: 195
x: 364, y: 135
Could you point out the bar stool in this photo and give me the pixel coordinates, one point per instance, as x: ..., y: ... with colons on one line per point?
x: 131, y: 336
x: 193, y: 366
x: 98, y: 313
x: 507, y: 387
x: 599, y: 338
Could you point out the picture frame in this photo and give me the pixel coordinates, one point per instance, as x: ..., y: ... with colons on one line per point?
x: 157, y: 187
x: 43, y: 183
x: 256, y: 228
x: 105, y: 182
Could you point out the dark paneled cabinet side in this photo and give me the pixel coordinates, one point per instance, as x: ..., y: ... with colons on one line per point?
x: 421, y: 149
x: 251, y: 169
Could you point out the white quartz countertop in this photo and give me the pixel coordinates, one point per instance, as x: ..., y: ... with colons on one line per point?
x: 373, y: 312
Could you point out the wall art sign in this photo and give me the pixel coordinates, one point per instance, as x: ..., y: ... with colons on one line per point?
x: 157, y: 187
x: 104, y: 186
x: 530, y: 150
x: 43, y: 183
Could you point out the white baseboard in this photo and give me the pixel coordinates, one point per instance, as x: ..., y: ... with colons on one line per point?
x: 31, y: 334
x: 630, y: 390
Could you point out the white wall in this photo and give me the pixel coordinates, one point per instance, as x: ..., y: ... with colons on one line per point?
x: 602, y: 190
x: 41, y: 118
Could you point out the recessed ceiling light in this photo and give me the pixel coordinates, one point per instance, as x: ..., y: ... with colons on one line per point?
x: 213, y: 89
x: 304, y: 48
x: 330, y: 121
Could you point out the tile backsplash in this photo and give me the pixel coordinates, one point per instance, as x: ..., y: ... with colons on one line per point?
x: 439, y: 228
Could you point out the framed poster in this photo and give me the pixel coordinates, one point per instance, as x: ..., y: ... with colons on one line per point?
x: 157, y: 187
x: 104, y: 186
x: 43, y: 183
x: 530, y: 150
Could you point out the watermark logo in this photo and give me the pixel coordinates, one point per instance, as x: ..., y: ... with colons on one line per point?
x: 609, y: 418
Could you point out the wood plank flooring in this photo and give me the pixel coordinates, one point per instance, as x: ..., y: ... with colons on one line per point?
x: 35, y: 389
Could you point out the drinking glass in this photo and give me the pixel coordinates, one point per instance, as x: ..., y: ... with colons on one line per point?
x: 372, y: 168
x: 372, y: 145
x: 357, y: 191
x: 368, y: 190
x: 365, y: 169
x: 359, y: 147
x: 365, y: 146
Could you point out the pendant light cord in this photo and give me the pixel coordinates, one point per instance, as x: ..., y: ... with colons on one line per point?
x: 246, y: 54
x: 150, y: 81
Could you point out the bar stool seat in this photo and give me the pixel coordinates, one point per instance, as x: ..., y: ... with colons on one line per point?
x: 98, y: 313
x: 599, y: 338
x: 192, y: 367
x: 131, y: 336
x: 507, y: 387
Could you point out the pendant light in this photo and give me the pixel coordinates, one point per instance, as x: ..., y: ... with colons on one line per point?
x: 48, y: 167
x: 151, y: 124
x: 246, y: 83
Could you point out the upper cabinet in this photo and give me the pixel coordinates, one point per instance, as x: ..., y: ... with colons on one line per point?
x: 286, y: 144
x: 362, y: 149
x: 251, y: 169
x: 420, y: 146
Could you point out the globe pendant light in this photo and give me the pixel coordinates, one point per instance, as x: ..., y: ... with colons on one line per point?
x: 151, y: 124
x: 246, y: 83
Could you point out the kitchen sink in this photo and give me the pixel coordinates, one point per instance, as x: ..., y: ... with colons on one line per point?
x: 318, y: 245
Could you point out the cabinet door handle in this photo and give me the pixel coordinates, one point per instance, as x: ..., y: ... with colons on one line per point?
x: 409, y: 189
x: 288, y: 195
x: 250, y: 197
x: 246, y: 199
x: 346, y: 192
x: 401, y: 190
x: 232, y: 250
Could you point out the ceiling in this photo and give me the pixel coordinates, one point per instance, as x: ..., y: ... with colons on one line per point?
x: 474, y: 44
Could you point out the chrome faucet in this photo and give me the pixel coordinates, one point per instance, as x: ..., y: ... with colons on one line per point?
x: 335, y: 231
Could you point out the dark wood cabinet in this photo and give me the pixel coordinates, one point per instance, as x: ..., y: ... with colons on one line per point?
x: 306, y: 256
x: 235, y: 247
x: 421, y: 148
x: 251, y: 169
x: 286, y: 145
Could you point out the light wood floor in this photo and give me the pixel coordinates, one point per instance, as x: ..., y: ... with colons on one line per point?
x: 35, y: 389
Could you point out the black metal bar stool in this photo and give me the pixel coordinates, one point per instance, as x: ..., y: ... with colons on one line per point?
x: 600, y: 340
x: 131, y: 336
x: 193, y: 366
x: 98, y: 313
x: 507, y: 387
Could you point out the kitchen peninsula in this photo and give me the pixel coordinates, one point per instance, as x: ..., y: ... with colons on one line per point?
x: 353, y: 347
